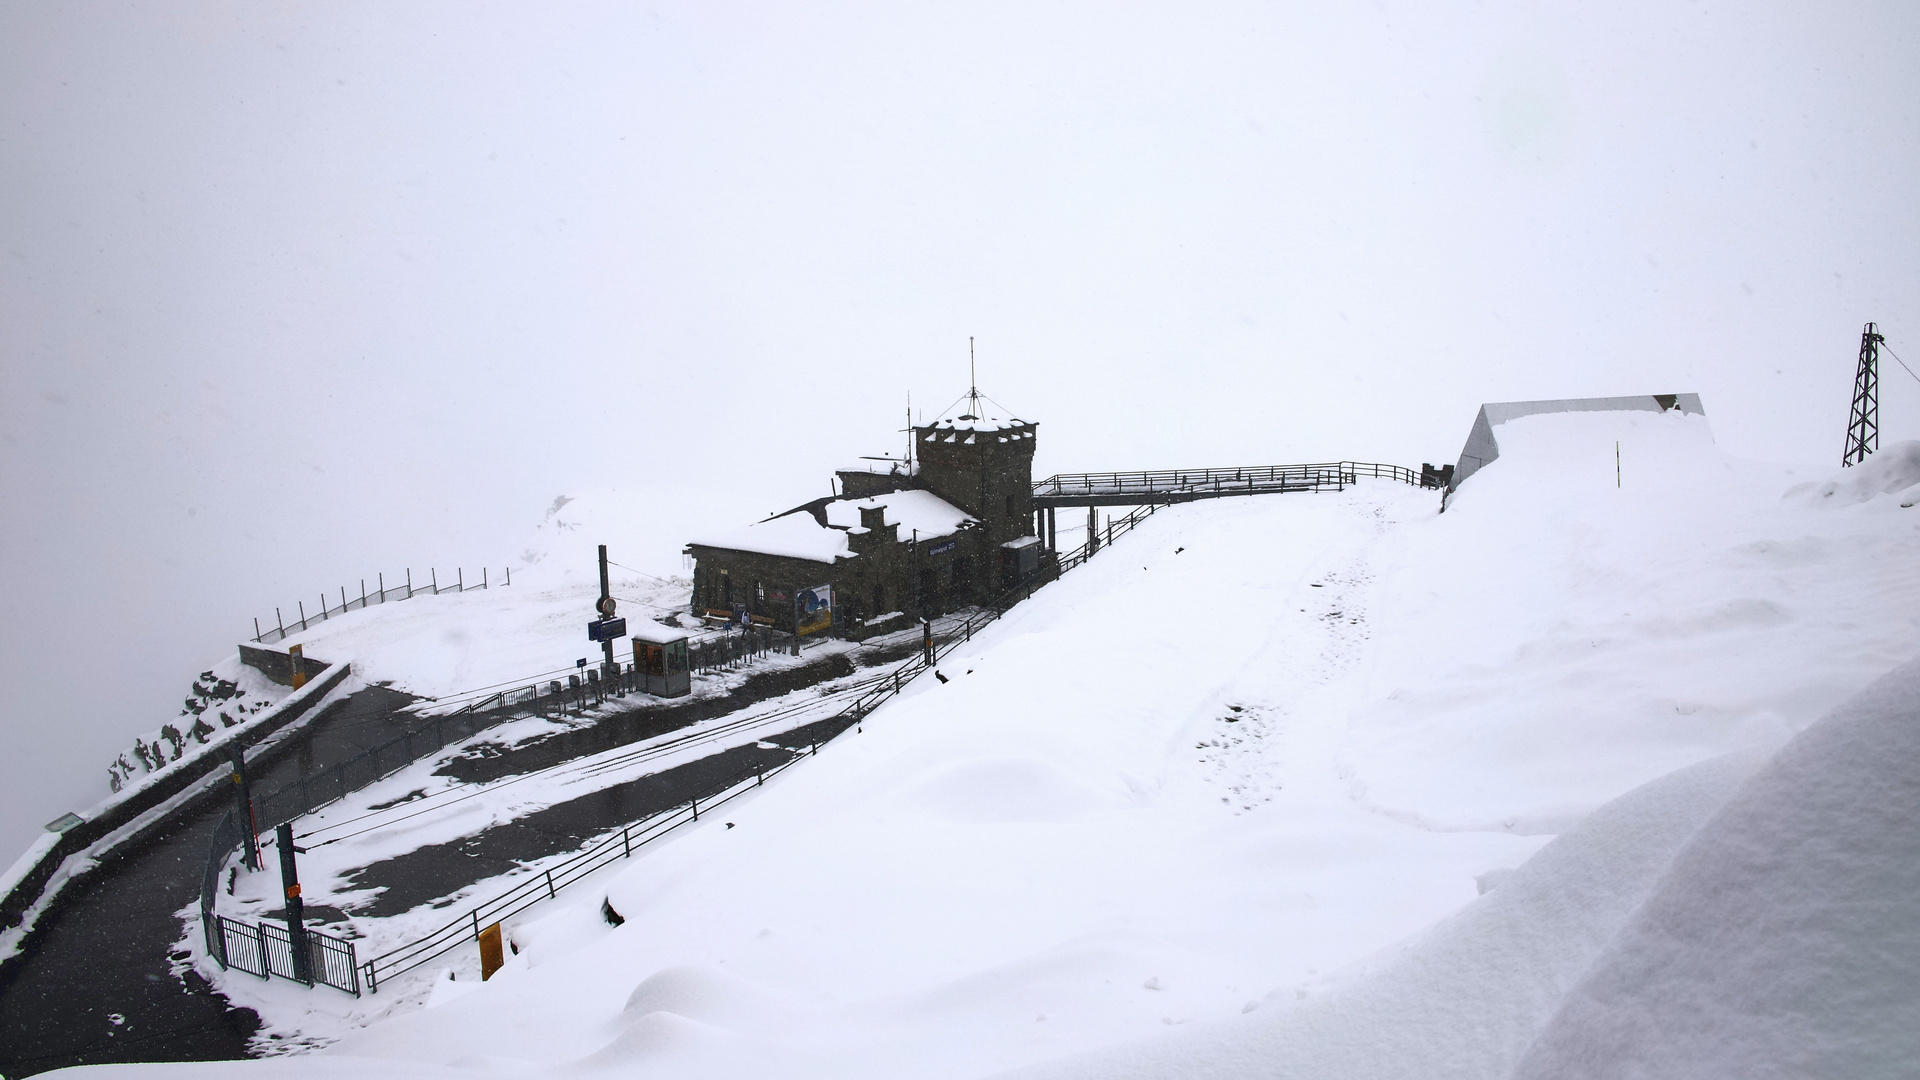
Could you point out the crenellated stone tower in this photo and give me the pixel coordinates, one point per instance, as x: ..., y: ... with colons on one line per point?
x: 983, y: 465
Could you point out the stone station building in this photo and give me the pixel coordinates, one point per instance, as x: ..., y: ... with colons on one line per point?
x: 952, y: 528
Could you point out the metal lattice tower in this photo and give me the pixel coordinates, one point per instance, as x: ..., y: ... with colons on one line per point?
x: 1863, y: 425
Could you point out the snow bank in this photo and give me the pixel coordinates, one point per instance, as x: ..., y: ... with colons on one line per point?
x: 1572, y: 628
x: 1466, y: 998
x: 1785, y: 939
x: 1744, y: 918
x: 1895, y: 470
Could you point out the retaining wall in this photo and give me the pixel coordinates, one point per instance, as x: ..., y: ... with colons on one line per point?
x: 25, y: 884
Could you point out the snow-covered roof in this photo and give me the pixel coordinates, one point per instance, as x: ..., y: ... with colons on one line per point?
x: 912, y: 510
x: 798, y: 535
x: 650, y: 631
x: 1482, y: 448
x: 970, y: 423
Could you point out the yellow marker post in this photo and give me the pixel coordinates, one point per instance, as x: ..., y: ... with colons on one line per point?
x: 492, y: 953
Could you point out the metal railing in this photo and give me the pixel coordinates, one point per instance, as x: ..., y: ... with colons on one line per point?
x: 310, y: 793
x: 382, y: 593
x: 729, y: 649
x: 546, y: 884
x: 1114, y: 529
x: 1224, y: 481
x: 265, y: 948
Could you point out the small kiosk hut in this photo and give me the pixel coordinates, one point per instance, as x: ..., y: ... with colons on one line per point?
x: 660, y: 660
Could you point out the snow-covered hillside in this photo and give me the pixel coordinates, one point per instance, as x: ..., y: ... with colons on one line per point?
x: 1324, y: 786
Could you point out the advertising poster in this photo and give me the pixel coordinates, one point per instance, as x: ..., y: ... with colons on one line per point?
x: 813, y: 609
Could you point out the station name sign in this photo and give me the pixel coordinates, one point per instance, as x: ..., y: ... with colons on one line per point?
x: 606, y: 629
x: 943, y: 548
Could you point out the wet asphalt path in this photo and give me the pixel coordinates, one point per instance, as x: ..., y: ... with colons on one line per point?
x: 429, y: 873
x: 657, y: 719
x: 96, y: 983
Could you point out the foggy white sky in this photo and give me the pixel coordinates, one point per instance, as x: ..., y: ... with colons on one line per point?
x: 290, y: 294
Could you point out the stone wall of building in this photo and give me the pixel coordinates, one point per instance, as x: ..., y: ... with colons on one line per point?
x: 984, y: 468
x: 884, y: 575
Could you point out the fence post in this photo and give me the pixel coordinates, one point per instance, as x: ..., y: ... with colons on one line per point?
x: 695, y: 802
x: 459, y: 579
x: 256, y: 631
x: 409, y: 595
x: 281, y: 623
x: 434, y: 575
x: 551, y: 894
x: 266, y: 962
x: 383, y: 588
x: 323, y: 608
x: 303, y: 614
x: 483, y: 577
x: 626, y: 840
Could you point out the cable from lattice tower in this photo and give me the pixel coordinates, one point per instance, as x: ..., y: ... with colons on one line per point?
x: 1863, y: 424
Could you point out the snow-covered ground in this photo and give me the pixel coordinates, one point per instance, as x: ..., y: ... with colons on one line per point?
x: 1319, y: 786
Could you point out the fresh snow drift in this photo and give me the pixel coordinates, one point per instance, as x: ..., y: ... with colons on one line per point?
x: 1785, y: 939
x: 1313, y: 785
x: 1895, y: 470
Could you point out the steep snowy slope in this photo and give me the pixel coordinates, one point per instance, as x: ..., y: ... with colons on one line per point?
x: 1256, y: 743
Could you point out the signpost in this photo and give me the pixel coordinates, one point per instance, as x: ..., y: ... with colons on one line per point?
x: 605, y: 608
x: 607, y: 631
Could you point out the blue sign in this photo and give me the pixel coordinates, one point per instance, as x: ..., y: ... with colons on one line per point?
x: 606, y: 629
x: 942, y: 549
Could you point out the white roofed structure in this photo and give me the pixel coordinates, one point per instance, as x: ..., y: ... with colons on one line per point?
x: 820, y: 535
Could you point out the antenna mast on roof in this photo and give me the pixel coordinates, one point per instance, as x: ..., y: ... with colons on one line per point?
x: 973, y: 385
x: 1863, y: 425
